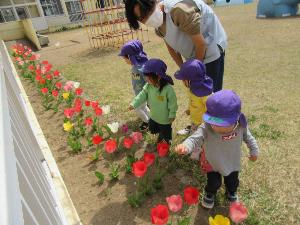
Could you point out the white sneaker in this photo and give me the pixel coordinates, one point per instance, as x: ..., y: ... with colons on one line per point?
x: 185, y: 131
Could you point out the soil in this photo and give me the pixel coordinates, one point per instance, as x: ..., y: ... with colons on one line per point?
x: 104, y: 204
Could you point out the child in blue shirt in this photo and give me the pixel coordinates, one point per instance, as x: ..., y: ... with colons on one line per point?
x: 132, y: 52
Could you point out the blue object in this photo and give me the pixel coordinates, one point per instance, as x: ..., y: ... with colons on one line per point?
x: 277, y: 8
x: 231, y: 2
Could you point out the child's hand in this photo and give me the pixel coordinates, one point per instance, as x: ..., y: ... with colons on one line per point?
x: 130, y: 108
x: 181, y: 149
x: 171, y: 120
x: 253, y: 158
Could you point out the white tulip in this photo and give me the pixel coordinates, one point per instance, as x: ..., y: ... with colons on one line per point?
x: 114, y: 127
x: 105, y: 109
x: 76, y: 84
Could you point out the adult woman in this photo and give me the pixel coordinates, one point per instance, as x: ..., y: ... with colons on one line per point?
x: 189, y: 28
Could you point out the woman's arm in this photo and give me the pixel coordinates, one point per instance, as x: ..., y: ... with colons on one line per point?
x: 175, y: 55
x: 200, y: 45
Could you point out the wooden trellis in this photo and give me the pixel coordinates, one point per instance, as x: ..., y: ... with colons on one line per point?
x: 106, y: 24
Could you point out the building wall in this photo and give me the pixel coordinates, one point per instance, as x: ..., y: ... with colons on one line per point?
x: 12, y: 30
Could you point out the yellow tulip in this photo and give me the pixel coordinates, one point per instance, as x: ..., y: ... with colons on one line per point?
x: 219, y: 220
x: 66, y: 95
x: 68, y: 126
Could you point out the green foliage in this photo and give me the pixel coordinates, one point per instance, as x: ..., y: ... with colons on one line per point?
x: 184, y: 221
x: 135, y: 200
x: 265, y: 131
x: 74, y: 144
x: 114, y: 171
x: 100, y: 177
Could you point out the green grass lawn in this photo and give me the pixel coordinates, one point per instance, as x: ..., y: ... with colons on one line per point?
x: 262, y: 65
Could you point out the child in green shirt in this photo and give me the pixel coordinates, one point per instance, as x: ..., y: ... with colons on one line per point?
x: 161, y: 98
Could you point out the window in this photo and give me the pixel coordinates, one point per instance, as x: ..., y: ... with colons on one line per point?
x: 5, y: 3
x: 22, y: 12
x: 7, y: 15
x: 51, y: 7
x: 75, y: 10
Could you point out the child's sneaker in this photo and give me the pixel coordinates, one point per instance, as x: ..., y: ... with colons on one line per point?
x: 144, y: 126
x: 185, y: 131
x: 232, y: 197
x: 208, y: 201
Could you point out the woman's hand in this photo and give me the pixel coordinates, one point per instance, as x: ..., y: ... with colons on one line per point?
x: 130, y: 108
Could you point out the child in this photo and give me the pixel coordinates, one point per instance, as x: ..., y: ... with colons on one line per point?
x: 222, y: 133
x: 161, y: 98
x: 193, y: 74
x: 132, y: 52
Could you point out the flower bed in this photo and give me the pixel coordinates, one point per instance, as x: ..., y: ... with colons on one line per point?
x: 116, y: 146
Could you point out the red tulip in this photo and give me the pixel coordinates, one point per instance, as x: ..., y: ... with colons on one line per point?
x: 45, y: 62
x: 78, y: 91
x: 137, y: 137
x: 128, y: 142
x: 49, y: 77
x: 149, y: 158
x: 55, y: 93
x: 97, y: 139
x: 87, y: 103
x: 58, y: 85
x: 88, y: 121
x: 78, y: 108
x: 69, y: 112
x: 38, y: 71
x: 44, y: 90
x: 110, y: 146
x: 159, y: 215
x: 56, y: 73
x: 31, y: 67
x: 98, y: 111
x: 238, y: 212
x: 162, y: 148
x: 94, y: 104
x: 139, y: 168
x: 32, y: 58
x: 38, y: 77
x: 77, y: 102
x: 174, y: 202
x: 42, y: 81
x: 191, y: 195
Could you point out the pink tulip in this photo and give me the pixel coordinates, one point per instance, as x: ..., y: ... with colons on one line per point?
x: 238, y: 212
x: 137, y: 137
x: 174, y: 202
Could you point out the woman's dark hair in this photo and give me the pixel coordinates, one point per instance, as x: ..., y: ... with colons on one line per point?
x: 146, y: 6
x: 162, y: 82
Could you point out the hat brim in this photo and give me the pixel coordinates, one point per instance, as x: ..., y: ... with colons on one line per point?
x: 122, y: 54
x: 201, y: 88
x: 179, y: 76
x: 222, y: 122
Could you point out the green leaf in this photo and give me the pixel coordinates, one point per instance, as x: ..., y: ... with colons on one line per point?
x: 100, y: 177
x: 184, y: 221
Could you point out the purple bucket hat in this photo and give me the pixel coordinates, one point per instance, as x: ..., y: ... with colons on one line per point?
x: 158, y: 67
x: 194, y: 71
x: 134, y: 51
x: 224, y: 109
